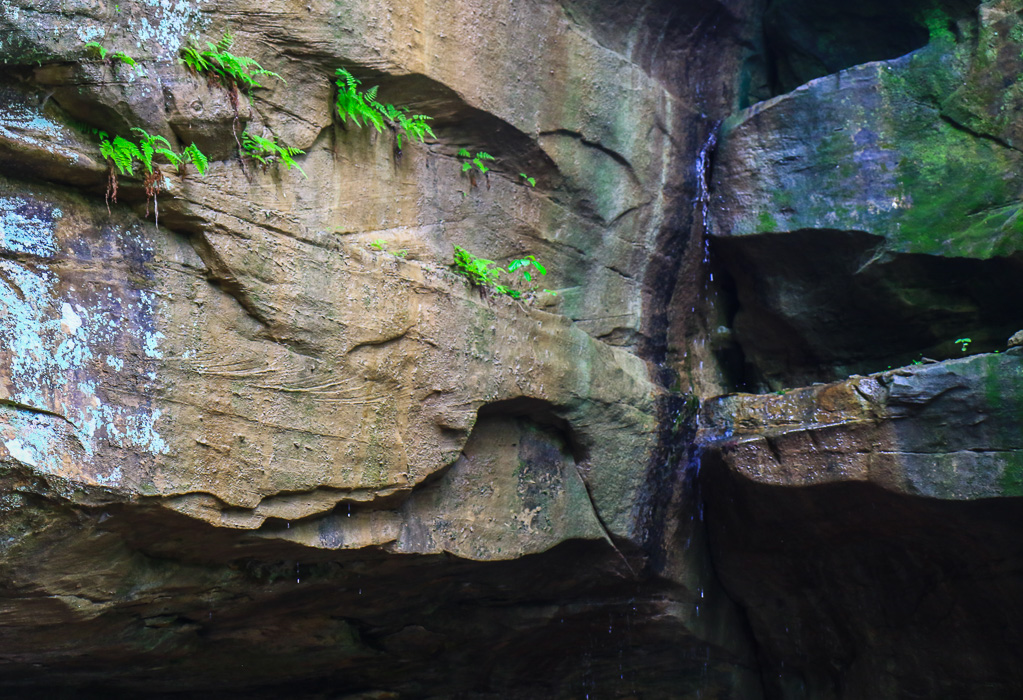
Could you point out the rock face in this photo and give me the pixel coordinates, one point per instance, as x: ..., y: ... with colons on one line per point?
x: 872, y: 216
x: 242, y: 450
x: 895, y: 495
x: 258, y: 439
x: 867, y: 525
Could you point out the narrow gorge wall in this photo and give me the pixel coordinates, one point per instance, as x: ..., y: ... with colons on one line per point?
x: 866, y: 257
x: 257, y: 438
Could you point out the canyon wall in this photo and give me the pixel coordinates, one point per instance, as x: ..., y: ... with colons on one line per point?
x: 258, y: 438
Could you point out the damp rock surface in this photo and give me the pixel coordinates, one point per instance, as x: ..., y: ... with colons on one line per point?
x: 897, y: 495
x: 257, y: 438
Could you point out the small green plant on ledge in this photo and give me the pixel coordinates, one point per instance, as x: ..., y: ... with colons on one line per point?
x: 531, y: 181
x: 123, y: 155
x: 102, y: 52
x: 362, y: 107
x: 381, y: 245
x: 219, y: 65
x: 470, y: 161
x: 484, y: 274
x: 963, y: 343
x: 523, y: 265
x: 267, y: 151
x: 471, y: 164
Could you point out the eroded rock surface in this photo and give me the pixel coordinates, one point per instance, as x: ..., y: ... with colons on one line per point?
x: 869, y: 217
x: 243, y: 451
x: 899, y: 496
x: 257, y: 439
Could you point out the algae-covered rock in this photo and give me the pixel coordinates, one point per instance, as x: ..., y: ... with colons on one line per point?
x: 918, y: 149
x: 871, y: 217
x: 951, y: 430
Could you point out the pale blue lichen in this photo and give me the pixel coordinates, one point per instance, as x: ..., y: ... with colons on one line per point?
x: 20, y: 123
x: 56, y: 346
x: 172, y: 23
x: 27, y: 227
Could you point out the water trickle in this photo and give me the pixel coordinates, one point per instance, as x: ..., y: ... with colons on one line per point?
x: 702, y: 180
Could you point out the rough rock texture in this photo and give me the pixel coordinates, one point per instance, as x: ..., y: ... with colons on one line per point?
x: 243, y: 451
x: 898, y: 496
x: 257, y: 439
x: 872, y: 216
x: 868, y: 526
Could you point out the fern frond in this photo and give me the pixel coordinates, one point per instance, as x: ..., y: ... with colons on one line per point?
x: 124, y: 153
x: 99, y: 49
x: 230, y: 70
x: 125, y: 58
x: 172, y: 157
x: 225, y: 43
x: 194, y: 60
x: 266, y: 151
x: 260, y: 71
x: 197, y: 157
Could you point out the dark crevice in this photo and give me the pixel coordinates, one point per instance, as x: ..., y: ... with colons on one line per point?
x: 804, y: 39
x: 977, y: 134
x: 817, y: 306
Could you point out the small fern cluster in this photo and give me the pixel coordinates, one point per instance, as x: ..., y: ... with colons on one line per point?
x: 102, y: 52
x: 220, y: 65
x: 477, y: 161
x: 267, y: 151
x: 362, y: 106
x: 484, y: 274
x: 123, y: 154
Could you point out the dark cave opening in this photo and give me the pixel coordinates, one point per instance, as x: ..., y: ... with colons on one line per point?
x: 820, y: 305
x: 804, y: 39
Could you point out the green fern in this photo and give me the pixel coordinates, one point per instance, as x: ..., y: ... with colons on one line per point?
x: 222, y: 66
x: 478, y: 161
x: 523, y: 265
x: 121, y: 152
x: 362, y: 107
x: 194, y: 60
x: 484, y: 274
x: 479, y: 271
x: 98, y: 48
x: 197, y: 158
x: 267, y: 151
x: 121, y: 56
x: 150, y: 146
x: 125, y: 58
x: 355, y: 104
x: 531, y: 181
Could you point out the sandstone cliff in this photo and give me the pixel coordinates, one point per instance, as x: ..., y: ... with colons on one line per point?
x: 258, y: 438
